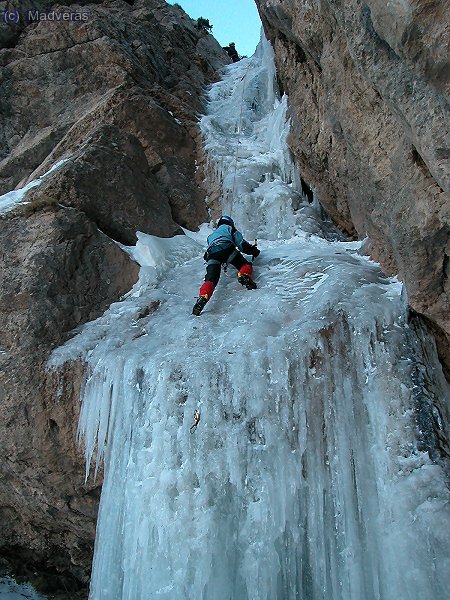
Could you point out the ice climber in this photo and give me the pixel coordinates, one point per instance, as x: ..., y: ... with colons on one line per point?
x: 232, y: 52
x: 222, y: 249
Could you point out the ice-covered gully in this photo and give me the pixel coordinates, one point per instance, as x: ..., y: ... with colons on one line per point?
x: 307, y: 475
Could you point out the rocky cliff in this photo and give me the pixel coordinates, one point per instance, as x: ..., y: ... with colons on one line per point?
x: 114, y: 92
x: 368, y: 93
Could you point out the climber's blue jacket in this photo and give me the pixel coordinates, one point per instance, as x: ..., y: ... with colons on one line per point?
x: 226, y: 238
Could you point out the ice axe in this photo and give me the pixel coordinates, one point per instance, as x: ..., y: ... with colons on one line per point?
x: 196, y: 421
x: 255, y: 243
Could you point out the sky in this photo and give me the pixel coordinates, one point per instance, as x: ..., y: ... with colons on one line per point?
x: 232, y: 20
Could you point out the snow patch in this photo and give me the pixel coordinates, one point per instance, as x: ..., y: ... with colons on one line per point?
x: 9, y: 200
x: 10, y: 590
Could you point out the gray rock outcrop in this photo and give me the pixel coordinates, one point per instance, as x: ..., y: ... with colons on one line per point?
x: 368, y: 93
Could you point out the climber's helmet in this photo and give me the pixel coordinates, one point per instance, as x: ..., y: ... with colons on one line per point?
x: 225, y: 220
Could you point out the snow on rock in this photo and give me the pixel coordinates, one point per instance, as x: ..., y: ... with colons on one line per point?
x: 305, y: 477
x: 11, y: 199
x: 10, y: 590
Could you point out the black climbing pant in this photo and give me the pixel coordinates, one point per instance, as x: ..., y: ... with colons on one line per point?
x: 213, y: 268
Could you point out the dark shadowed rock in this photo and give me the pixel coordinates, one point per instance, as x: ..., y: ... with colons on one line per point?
x: 57, y: 272
x: 110, y: 180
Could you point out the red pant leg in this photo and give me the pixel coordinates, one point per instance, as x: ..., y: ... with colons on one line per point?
x: 207, y: 289
x: 246, y: 269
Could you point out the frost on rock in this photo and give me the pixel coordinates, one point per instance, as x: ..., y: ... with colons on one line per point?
x: 10, y: 590
x: 11, y: 199
x: 306, y: 476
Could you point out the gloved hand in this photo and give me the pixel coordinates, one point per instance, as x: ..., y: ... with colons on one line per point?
x: 255, y: 251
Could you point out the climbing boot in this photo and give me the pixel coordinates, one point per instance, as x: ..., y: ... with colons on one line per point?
x: 199, y: 305
x: 247, y: 281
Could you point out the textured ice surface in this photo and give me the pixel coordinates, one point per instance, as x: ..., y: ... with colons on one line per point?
x: 305, y: 477
x: 245, y: 134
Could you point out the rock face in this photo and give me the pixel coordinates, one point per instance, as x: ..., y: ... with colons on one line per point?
x: 58, y: 270
x: 368, y: 92
x: 116, y: 96
x: 140, y: 68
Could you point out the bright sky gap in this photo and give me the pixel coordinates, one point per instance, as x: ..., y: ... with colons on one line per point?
x: 233, y: 21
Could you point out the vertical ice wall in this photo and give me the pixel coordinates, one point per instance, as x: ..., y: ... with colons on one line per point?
x: 245, y: 132
x: 307, y: 476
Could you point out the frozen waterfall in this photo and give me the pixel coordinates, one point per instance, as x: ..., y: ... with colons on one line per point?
x: 309, y: 475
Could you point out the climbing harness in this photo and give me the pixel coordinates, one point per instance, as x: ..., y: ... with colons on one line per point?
x: 196, y: 421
